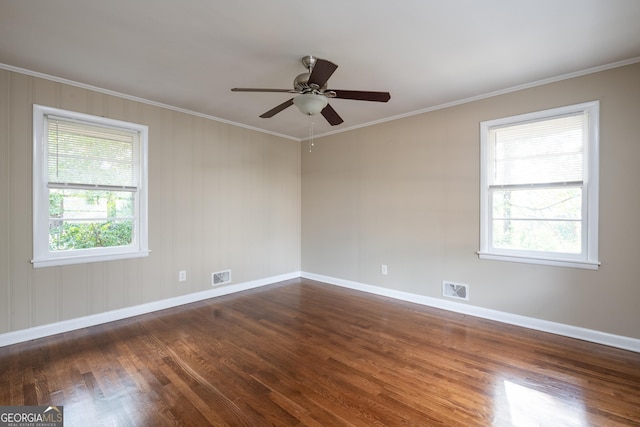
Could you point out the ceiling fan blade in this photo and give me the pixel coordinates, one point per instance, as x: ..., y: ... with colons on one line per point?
x: 331, y: 115
x: 360, y: 95
x: 321, y: 72
x: 256, y: 89
x: 277, y: 109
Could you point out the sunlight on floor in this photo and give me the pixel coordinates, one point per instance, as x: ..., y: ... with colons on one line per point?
x: 529, y: 407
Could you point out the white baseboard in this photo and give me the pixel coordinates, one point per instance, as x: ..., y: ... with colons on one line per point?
x: 598, y: 337
x: 110, y: 316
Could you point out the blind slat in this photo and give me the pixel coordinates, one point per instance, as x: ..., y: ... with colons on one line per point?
x: 536, y: 185
x: 86, y: 154
x: 546, y: 151
x: 75, y: 185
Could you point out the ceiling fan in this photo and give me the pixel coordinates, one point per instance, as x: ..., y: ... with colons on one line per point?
x: 313, y: 95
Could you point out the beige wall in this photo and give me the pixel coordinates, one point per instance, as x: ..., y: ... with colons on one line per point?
x: 403, y: 193
x: 406, y: 194
x: 220, y: 197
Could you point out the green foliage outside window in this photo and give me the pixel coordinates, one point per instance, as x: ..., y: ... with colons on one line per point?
x: 544, y: 219
x: 81, y: 219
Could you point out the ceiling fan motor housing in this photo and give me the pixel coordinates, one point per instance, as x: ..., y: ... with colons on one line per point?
x: 301, y: 84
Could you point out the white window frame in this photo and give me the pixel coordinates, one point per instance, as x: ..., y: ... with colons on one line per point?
x: 588, y: 258
x: 42, y: 256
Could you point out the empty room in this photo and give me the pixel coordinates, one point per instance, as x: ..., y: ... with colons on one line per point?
x: 341, y: 213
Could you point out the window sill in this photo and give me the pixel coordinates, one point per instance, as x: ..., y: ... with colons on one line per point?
x: 83, y: 259
x: 570, y: 263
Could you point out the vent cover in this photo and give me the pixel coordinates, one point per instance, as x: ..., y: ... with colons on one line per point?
x: 221, y: 277
x: 455, y: 290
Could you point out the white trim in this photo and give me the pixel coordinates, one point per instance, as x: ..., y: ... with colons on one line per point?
x: 42, y: 256
x: 588, y: 257
x: 137, y: 99
x: 585, y: 265
x: 123, y: 313
x: 590, y: 335
x: 58, y: 261
x: 617, y: 341
x: 505, y: 91
x: 530, y: 85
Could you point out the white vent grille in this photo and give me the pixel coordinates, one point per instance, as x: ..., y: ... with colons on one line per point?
x: 455, y: 290
x: 221, y: 277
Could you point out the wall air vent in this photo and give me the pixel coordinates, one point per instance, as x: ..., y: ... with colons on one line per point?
x: 221, y: 277
x: 455, y: 290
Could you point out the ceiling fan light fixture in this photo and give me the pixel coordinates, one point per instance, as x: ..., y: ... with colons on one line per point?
x: 310, y: 103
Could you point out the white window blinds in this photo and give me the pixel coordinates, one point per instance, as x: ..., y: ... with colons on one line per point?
x: 549, y: 151
x: 89, y: 155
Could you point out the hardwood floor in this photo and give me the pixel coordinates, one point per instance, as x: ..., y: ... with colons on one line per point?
x: 305, y: 353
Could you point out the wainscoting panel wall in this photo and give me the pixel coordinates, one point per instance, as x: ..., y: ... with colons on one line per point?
x: 220, y: 197
x: 406, y: 194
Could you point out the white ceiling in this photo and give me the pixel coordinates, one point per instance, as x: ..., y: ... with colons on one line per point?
x: 426, y: 53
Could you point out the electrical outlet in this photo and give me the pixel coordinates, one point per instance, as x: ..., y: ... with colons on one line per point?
x: 383, y: 269
x: 182, y: 276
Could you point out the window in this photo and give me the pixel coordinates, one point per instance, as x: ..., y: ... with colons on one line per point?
x: 89, y: 188
x: 539, y: 187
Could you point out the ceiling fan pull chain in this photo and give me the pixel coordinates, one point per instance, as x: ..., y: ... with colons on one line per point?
x: 311, y: 144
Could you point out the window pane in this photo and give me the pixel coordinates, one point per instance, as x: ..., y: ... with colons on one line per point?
x: 539, y: 203
x: 69, y: 235
x: 541, y: 219
x: 532, y: 235
x: 81, y: 219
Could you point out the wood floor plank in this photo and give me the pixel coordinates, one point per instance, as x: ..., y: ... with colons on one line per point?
x: 303, y: 353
